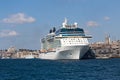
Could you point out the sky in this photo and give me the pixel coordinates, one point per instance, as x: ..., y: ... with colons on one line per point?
x: 24, y: 22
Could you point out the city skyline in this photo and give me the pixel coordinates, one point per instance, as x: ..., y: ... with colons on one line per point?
x: 24, y: 23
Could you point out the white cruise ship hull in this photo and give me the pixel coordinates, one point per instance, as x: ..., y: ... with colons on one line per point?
x: 67, y: 52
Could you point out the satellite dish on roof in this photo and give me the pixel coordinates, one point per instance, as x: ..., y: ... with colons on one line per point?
x: 76, y: 24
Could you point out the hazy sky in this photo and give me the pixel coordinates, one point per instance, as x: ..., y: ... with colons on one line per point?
x: 24, y: 22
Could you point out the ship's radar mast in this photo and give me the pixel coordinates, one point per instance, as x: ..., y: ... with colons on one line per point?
x: 65, y: 23
x: 65, y: 20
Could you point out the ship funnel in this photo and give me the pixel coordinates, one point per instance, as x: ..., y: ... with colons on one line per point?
x: 54, y: 29
x: 50, y: 31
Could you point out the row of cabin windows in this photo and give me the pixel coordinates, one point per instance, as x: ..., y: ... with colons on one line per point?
x: 74, y: 41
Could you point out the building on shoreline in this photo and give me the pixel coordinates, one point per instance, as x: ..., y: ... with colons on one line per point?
x: 13, y: 53
x: 107, y: 48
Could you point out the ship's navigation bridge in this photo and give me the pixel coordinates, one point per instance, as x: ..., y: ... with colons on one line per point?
x: 69, y: 30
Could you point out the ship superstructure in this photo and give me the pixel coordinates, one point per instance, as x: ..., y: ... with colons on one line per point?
x: 68, y: 42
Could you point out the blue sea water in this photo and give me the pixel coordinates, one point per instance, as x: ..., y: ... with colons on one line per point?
x: 36, y: 69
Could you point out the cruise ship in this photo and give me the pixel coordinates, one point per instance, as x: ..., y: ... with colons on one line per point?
x: 68, y: 42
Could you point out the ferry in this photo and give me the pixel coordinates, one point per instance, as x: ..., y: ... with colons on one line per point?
x: 68, y: 42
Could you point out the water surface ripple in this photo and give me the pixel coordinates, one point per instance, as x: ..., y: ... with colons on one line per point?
x: 36, y: 69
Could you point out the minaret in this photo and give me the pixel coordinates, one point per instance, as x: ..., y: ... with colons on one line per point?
x: 107, y: 39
